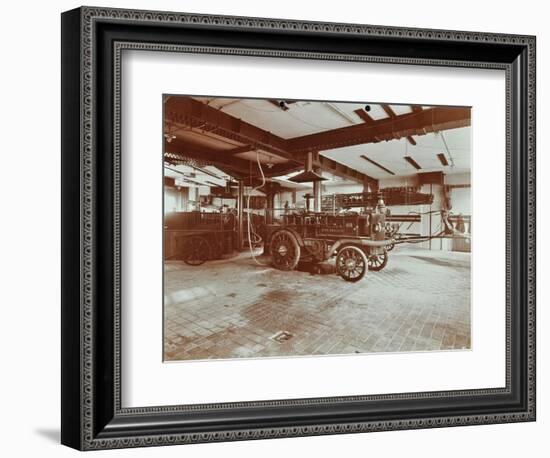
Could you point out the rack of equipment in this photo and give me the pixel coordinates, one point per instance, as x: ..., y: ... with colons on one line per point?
x: 404, y: 195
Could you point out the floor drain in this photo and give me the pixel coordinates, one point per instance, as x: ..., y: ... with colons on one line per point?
x: 281, y: 336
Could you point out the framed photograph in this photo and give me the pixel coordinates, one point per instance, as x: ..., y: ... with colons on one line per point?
x: 277, y: 228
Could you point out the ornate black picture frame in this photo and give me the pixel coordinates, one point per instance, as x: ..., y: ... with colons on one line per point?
x: 92, y: 41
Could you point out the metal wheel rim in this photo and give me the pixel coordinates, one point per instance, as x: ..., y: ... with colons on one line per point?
x: 350, y: 263
x: 285, y: 251
x: 378, y: 261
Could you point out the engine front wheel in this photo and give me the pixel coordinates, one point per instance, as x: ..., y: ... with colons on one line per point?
x: 351, y: 263
x: 378, y: 261
x: 285, y: 250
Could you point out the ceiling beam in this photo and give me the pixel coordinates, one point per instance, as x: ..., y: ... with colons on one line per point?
x: 419, y: 123
x: 278, y: 170
x: 367, y: 118
x: 217, y: 158
x: 388, y: 111
x: 194, y: 114
x: 224, y: 161
x: 391, y: 114
x: 190, y: 149
x: 431, y: 178
x: 343, y: 171
x: 239, y: 150
x: 179, y: 159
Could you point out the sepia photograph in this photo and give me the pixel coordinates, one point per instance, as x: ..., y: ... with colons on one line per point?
x: 266, y: 228
x: 295, y: 228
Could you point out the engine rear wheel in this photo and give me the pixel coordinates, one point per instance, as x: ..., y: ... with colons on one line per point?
x: 285, y: 250
x: 351, y: 263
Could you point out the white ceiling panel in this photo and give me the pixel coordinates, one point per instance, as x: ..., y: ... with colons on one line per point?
x: 401, y: 109
x: 390, y: 154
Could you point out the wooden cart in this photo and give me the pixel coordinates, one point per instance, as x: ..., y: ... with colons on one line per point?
x: 196, y: 237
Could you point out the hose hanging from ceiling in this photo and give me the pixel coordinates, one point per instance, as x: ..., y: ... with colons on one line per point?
x: 249, y: 218
x: 452, y: 161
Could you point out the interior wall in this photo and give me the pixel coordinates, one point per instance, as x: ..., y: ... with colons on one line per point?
x: 430, y: 217
x: 458, y: 179
x: 285, y: 199
x: 461, y: 201
x: 175, y: 199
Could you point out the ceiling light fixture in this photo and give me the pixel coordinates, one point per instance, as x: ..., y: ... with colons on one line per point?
x: 377, y: 164
x: 411, y: 161
x: 442, y: 159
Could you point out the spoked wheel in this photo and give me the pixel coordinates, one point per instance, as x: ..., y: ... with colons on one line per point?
x: 378, y: 261
x: 285, y: 250
x: 351, y: 263
x: 196, y: 250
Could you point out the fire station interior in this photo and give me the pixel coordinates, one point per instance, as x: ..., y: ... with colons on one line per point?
x: 295, y: 228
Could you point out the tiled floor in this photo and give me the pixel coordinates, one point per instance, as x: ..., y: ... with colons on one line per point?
x: 235, y: 308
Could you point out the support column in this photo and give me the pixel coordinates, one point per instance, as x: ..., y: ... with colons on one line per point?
x: 197, y: 198
x: 317, y: 192
x: 270, y: 198
x: 240, y: 207
x: 366, y: 189
x: 373, y: 186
